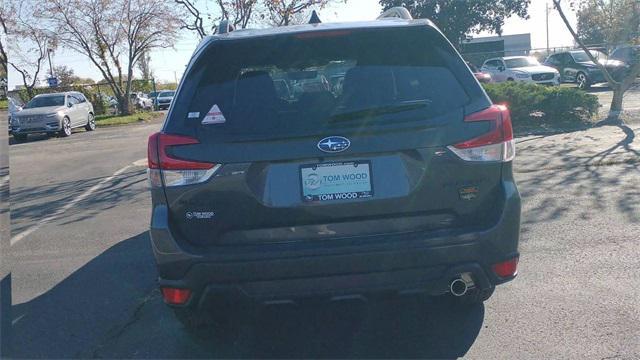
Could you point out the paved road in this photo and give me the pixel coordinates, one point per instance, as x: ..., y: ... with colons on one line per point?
x: 84, y: 278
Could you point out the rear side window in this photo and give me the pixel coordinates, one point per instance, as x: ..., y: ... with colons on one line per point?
x: 309, y: 82
x: 491, y: 64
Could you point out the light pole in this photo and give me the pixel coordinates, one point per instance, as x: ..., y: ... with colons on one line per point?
x: 547, y: 18
x: 49, y: 51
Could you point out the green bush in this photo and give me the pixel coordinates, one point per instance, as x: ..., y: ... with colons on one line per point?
x: 537, y: 106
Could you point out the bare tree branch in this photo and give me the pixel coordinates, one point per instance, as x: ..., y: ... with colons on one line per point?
x: 114, y: 34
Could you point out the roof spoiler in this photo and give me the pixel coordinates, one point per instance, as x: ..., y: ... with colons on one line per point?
x: 224, y: 27
x: 396, y: 12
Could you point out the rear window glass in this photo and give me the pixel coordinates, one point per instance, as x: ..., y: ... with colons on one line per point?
x: 308, y: 82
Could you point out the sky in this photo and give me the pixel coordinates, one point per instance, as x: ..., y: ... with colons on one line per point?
x: 168, y: 64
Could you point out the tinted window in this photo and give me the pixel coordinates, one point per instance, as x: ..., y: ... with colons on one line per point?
x: 622, y: 54
x: 492, y: 64
x: 581, y: 56
x: 43, y: 101
x: 521, y: 62
x: 553, y: 60
x: 167, y: 94
x: 394, y: 75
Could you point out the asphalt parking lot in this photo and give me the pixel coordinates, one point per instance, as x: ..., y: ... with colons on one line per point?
x: 84, y: 280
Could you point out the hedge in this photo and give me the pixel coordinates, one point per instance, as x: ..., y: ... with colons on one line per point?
x: 547, y: 107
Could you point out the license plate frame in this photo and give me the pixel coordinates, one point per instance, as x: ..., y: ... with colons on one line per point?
x: 326, y: 182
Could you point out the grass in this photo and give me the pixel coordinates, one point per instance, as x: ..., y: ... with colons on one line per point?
x: 4, y: 104
x: 116, y: 120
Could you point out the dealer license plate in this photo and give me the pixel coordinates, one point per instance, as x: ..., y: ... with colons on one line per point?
x: 336, y: 181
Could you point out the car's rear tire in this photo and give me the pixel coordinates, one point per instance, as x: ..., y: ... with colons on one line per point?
x: 20, y: 137
x: 65, y: 130
x: 91, y: 123
x: 583, y: 81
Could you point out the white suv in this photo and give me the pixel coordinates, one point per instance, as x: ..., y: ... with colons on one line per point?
x: 520, y: 68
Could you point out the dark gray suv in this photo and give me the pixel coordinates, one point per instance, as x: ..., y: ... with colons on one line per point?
x: 399, y: 182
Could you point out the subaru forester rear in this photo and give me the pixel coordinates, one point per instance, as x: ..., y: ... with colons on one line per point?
x: 272, y: 183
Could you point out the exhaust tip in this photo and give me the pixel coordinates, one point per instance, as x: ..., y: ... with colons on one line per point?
x: 458, y: 287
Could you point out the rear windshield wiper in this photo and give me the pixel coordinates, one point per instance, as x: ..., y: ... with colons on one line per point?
x: 381, y: 110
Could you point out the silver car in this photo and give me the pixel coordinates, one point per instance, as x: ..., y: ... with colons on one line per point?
x: 52, y: 114
x: 164, y: 98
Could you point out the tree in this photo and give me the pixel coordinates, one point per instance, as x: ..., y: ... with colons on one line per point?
x: 589, y: 26
x: 242, y: 13
x: 27, y: 44
x: 611, y: 22
x: 113, y: 34
x: 5, y: 18
x: 289, y: 12
x: 65, y: 75
x: 628, y: 28
x: 144, y: 65
x: 458, y: 19
x: 238, y: 12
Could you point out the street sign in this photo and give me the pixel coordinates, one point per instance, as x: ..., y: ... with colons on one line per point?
x: 53, y: 81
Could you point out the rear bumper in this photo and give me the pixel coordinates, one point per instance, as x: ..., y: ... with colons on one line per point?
x: 408, y: 263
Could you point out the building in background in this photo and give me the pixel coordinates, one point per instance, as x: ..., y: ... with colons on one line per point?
x: 477, y: 50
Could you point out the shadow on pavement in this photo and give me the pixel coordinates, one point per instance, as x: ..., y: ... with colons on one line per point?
x: 121, y: 190
x: 111, y: 308
x: 71, y: 319
x: 580, y: 176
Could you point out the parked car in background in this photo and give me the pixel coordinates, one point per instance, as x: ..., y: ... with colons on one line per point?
x: 336, y: 82
x: 576, y: 67
x: 141, y: 101
x: 400, y: 183
x: 483, y: 77
x: 15, y: 106
x: 153, y: 95
x: 520, y: 68
x: 626, y: 54
x: 56, y: 113
x: 315, y: 83
x: 282, y: 89
x: 163, y: 99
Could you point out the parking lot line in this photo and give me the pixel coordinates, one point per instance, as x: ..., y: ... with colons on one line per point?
x: 17, y: 238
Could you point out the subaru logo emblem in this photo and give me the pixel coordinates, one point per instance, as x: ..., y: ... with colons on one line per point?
x: 334, y: 144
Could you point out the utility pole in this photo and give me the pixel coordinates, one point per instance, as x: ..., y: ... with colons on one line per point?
x: 175, y: 77
x: 547, y: 18
x: 49, y: 51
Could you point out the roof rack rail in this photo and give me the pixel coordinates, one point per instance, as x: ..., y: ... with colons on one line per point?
x: 224, y: 27
x: 396, y: 12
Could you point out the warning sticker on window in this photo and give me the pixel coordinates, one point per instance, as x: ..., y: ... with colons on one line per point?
x: 214, y: 116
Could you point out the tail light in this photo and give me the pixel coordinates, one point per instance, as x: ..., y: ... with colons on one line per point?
x: 172, y: 171
x: 175, y: 296
x: 496, y: 145
x: 507, y: 268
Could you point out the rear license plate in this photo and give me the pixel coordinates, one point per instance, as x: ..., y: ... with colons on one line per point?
x: 336, y: 181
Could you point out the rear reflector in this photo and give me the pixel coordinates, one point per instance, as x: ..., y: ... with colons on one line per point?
x: 172, y: 171
x: 175, y: 296
x: 507, y: 268
x: 495, y: 145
